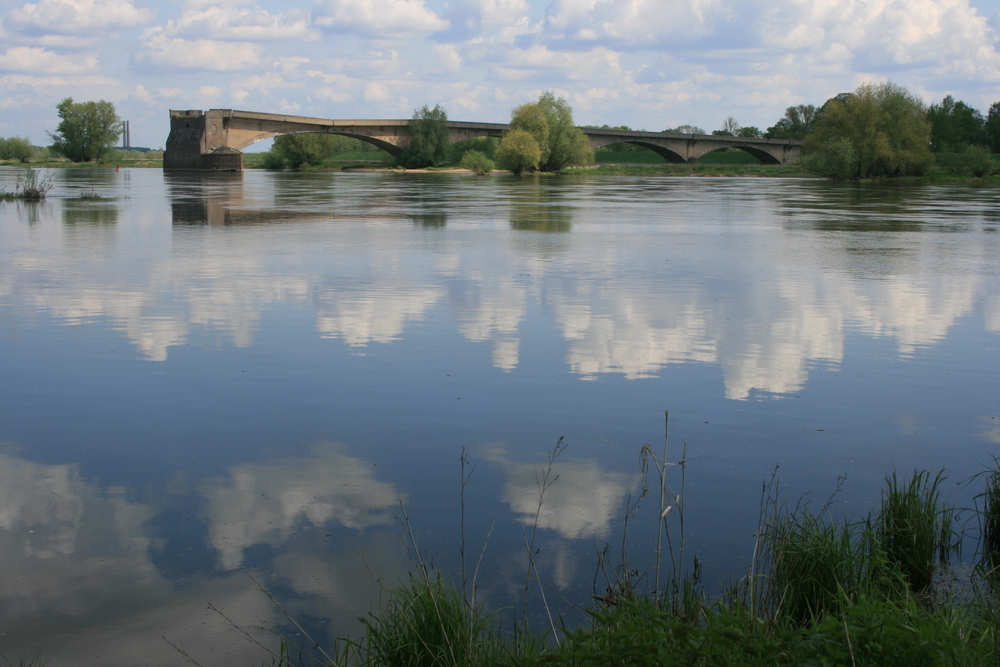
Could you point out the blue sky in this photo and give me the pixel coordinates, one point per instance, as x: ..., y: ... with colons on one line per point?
x: 648, y: 64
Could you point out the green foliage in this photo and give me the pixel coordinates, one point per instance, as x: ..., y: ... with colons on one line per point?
x: 886, y: 127
x: 797, y: 123
x: 966, y: 161
x: 686, y: 129
x: 752, y: 132
x: 550, y: 122
x: 837, y: 159
x: 816, y: 564
x: 428, y: 623
x: 990, y: 516
x: 429, y: 139
x: 272, y: 160
x: 913, y: 526
x: 485, y: 145
x: 955, y: 124
x: 299, y: 149
x: 87, y: 130
x: 728, y: 156
x: 477, y: 162
x: 16, y: 148
x: 991, y: 128
x: 518, y: 151
x: 296, y: 150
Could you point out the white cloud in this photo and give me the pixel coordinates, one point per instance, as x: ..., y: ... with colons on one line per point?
x: 447, y: 57
x: 76, y: 16
x: 242, y: 24
x: 378, y: 18
x: 40, y: 61
x: 165, y: 53
x: 633, y: 21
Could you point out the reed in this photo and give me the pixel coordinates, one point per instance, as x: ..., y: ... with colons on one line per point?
x: 914, y: 526
x: 989, y: 514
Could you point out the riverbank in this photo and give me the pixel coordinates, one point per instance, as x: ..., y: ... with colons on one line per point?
x: 818, y: 591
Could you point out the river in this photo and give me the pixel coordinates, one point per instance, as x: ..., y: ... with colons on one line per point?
x: 215, y: 376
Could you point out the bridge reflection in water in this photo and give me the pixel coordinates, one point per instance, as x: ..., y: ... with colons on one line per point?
x: 212, y: 140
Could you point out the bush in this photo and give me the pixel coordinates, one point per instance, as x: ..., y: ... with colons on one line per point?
x: 30, y: 186
x: 518, y: 152
x: 477, y: 162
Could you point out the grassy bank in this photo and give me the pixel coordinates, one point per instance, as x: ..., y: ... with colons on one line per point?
x: 697, y: 169
x: 817, y: 590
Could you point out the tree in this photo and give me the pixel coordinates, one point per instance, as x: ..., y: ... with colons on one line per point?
x: 992, y: 127
x: 955, y: 124
x: 797, y: 123
x: 16, y: 148
x: 730, y: 128
x: 886, y: 127
x: 87, y: 131
x: 299, y: 149
x: 550, y: 122
x: 430, y: 138
x: 687, y: 129
x: 751, y: 132
x: 518, y: 151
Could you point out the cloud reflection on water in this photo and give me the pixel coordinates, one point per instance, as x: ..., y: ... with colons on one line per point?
x: 765, y: 323
x: 266, y: 502
x: 78, y: 566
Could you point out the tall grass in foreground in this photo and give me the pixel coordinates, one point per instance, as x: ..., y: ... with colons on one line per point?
x: 820, y: 590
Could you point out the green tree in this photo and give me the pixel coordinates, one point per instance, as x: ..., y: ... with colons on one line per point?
x: 296, y: 150
x: 886, y: 126
x: 430, y: 138
x: 992, y: 128
x: 687, y: 129
x: 797, y: 123
x: 16, y: 148
x: 550, y: 122
x: 87, y: 129
x: 954, y: 124
x: 518, y: 151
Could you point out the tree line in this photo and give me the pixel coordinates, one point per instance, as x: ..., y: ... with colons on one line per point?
x: 884, y: 130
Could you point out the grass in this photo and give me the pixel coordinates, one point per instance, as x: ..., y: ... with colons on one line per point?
x: 696, y: 169
x: 820, y: 590
x: 29, y: 186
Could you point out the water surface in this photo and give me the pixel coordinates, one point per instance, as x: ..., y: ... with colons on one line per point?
x: 208, y: 373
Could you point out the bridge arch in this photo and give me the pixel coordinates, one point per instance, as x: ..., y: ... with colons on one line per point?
x: 249, y: 140
x: 762, y: 155
x: 667, y: 154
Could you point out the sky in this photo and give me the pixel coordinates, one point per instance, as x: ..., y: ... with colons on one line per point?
x: 646, y: 64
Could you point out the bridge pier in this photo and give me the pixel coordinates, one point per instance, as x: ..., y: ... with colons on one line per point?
x: 187, y: 146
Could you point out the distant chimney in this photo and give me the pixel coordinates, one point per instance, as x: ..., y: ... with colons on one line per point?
x: 126, y: 136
